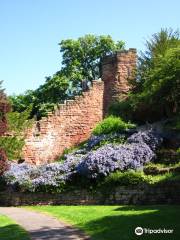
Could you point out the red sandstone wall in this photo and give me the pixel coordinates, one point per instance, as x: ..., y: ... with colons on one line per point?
x: 116, y: 70
x: 71, y: 124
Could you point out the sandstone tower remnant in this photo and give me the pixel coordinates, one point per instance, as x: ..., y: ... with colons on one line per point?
x: 73, y: 121
x: 116, y: 70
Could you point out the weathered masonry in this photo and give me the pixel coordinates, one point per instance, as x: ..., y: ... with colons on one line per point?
x: 73, y: 121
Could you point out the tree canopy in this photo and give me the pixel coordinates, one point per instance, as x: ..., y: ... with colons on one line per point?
x: 81, y: 57
x: 80, y: 61
x: 156, y: 91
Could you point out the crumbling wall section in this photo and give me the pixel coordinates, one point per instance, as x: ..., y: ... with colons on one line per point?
x: 70, y: 124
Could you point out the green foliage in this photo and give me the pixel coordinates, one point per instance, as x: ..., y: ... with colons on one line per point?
x: 124, y: 179
x: 162, y: 85
x: 81, y: 57
x: 112, y: 124
x: 130, y: 178
x: 157, y: 46
x: 155, y: 169
x: 17, y: 126
x: 43, y: 99
x: 18, y: 122
x: 167, y: 156
x: 122, y: 109
x: 160, y: 71
x: 174, y: 123
x: 156, y: 93
x: 21, y: 102
x: 12, y: 146
x: 81, y: 61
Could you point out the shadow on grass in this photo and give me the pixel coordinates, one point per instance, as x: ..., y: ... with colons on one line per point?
x: 122, y: 225
x: 13, y: 232
x: 64, y: 233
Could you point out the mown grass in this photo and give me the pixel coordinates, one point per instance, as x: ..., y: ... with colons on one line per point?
x: 119, y: 222
x: 9, y: 230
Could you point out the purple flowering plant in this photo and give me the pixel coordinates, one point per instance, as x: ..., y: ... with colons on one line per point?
x: 90, y: 163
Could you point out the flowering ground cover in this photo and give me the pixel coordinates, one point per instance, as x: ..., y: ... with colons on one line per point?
x: 119, y: 222
x: 9, y: 230
x: 137, y: 150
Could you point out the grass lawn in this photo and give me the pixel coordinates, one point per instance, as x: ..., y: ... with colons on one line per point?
x: 119, y: 222
x: 9, y: 230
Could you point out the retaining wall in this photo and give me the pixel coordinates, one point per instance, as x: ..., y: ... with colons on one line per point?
x: 168, y: 193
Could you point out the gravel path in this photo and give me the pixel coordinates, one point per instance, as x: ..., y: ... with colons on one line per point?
x: 41, y: 226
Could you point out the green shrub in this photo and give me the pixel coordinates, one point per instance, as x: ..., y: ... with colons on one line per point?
x: 174, y: 123
x: 112, y: 124
x: 122, y: 108
x: 168, y: 156
x: 131, y: 178
x: 124, y: 178
x: 13, y: 143
x: 155, y: 169
x: 12, y: 146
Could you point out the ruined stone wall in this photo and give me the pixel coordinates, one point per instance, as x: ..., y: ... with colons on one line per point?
x: 69, y: 125
x: 117, y: 70
x: 73, y: 122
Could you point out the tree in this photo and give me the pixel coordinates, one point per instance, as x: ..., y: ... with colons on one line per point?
x: 81, y: 61
x: 159, y: 72
x: 156, y: 47
x: 44, y: 98
x: 156, y: 92
x: 162, y: 86
x: 81, y: 57
x: 13, y: 142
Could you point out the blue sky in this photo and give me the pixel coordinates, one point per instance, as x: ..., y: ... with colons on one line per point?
x: 30, y: 31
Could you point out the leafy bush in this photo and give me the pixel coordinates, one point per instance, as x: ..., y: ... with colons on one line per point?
x: 12, y: 146
x: 174, y: 123
x: 123, y: 108
x: 155, y: 93
x: 155, y: 169
x: 130, y: 178
x: 125, y: 178
x: 167, y: 156
x: 112, y: 124
x: 17, y: 126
